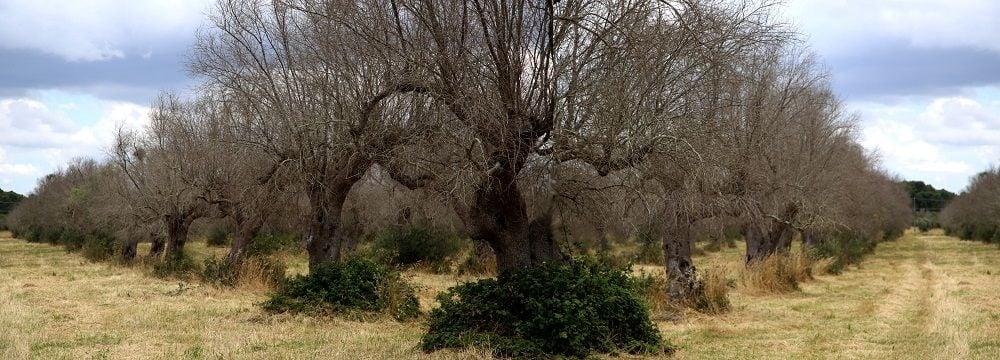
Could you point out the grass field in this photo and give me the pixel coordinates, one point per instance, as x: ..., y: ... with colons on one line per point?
x: 920, y: 297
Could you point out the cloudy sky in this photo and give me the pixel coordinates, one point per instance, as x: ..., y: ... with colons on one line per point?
x: 924, y: 77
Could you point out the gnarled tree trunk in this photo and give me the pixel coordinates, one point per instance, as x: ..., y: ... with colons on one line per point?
x: 177, y: 234
x: 246, y: 232
x: 325, y: 239
x: 499, y: 216
x: 682, y: 276
x: 157, y: 244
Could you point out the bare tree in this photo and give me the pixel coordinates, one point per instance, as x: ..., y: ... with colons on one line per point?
x: 310, y: 97
x: 158, y: 171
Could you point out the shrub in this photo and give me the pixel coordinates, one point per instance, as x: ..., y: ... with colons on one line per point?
x: 50, y: 235
x: 98, y: 246
x: 844, y: 248
x: 180, y: 267
x: 349, y: 288
x: 983, y: 233
x: 422, y: 244
x: 217, y: 237
x: 253, y: 272
x: 71, y: 240
x: 553, y: 309
x: 267, y: 244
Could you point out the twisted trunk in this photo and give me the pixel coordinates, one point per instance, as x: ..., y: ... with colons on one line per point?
x: 177, y: 234
x: 682, y: 276
x: 157, y: 244
x: 129, y: 249
x: 246, y: 232
x: 498, y: 215
x: 325, y: 237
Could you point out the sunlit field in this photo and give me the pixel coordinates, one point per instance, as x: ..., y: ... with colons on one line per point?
x: 922, y: 296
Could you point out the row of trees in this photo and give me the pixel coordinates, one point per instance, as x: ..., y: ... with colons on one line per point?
x: 531, y: 123
x: 974, y: 214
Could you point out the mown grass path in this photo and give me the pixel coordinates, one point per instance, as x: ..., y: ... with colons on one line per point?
x: 920, y: 297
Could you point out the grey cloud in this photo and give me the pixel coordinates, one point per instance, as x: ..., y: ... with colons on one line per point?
x: 133, y: 78
x: 895, y: 68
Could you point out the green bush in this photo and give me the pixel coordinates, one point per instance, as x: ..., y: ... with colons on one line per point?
x: 983, y: 232
x: 845, y: 248
x: 419, y: 244
x: 33, y: 235
x: 217, y: 237
x: 181, y: 267
x: 553, y: 309
x: 99, y: 246
x: 267, y: 244
x: 354, y: 287
x: 50, y: 235
x: 72, y: 240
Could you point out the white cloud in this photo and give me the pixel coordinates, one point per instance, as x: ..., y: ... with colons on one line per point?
x: 7, y: 168
x: 31, y: 124
x: 946, y: 139
x: 96, y: 29
x: 41, y: 137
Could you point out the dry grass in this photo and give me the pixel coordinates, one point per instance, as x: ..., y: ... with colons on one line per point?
x: 715, y: 291
x: 778, y: 273
x: 917, y: 297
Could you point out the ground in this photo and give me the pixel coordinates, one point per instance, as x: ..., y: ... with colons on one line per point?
x: 919, y: 297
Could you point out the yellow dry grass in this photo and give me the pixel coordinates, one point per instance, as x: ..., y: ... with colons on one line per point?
x: 923, y: 296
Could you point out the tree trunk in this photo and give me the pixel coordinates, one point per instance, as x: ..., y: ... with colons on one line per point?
x: 756, y: 240
x: 325, y: 241
x: 156, y: 244
x: 809, y: 238
x: 681, y: 273
x: 246, y: 232
x: 129, y: 249
x: 177, y: 233
x: 498, y: 215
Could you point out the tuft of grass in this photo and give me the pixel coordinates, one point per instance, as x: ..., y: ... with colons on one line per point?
x: 714, y: 297
x: 778, y: 273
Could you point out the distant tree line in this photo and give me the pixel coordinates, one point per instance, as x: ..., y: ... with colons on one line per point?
x: 925, y: 198
x: 975, y: 214
x: 8, y: 200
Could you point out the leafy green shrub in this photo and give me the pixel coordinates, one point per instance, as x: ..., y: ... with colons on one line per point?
x: 923, y: 223
x: 266, y: 244
x: 568, y: 309
x: 983, y: 232
x: 845, y: 248
x: 352, y: 287
x: 99, y: 246
x: 419, y: 244
x: 33, y: 235
x: 180, y: 267
x: 217, y: 237
x: 72, y: 240
x: 50, y: 235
